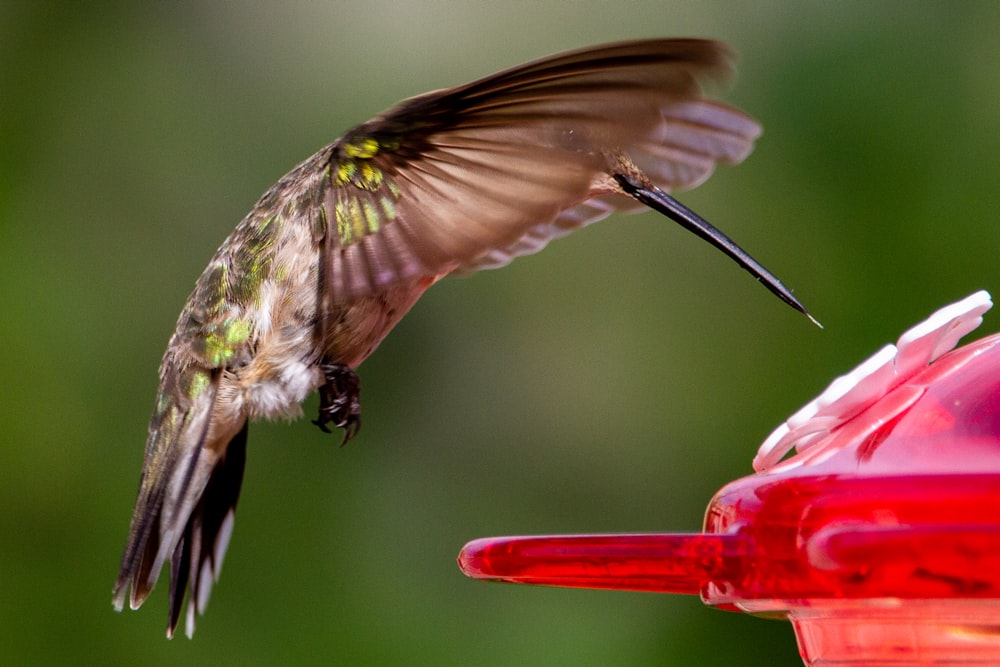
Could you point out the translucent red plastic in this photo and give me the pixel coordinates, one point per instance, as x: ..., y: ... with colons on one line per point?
x: 658, y: 563
x: 882, y: 548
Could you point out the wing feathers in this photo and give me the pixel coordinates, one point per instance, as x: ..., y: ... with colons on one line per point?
x: 494, y: 169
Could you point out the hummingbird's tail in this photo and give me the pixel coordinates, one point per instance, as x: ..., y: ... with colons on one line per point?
x: 187, y: 498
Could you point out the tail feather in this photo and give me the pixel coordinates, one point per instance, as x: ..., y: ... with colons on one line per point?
x: 187, y: 498
x: 197, y: 560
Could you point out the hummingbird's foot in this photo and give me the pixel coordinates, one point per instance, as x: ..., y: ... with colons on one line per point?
x: 340, y: 400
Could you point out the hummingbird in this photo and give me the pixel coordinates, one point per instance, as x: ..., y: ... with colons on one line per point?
x: 337, y: 251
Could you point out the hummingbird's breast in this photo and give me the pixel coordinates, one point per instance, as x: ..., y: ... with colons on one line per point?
x: 281, y: 367
x: 286, y: 366
x: 262, y: 313
x: 297, y: 327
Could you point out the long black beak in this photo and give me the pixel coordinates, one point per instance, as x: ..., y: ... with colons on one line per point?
x: 658, y: 200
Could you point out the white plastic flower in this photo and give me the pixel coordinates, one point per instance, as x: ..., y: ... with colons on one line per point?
x: 849, y: 394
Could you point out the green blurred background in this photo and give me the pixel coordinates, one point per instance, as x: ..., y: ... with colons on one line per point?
x: 611, y: 383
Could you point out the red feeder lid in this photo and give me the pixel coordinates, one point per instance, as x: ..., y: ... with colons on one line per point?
x: 879, y: 539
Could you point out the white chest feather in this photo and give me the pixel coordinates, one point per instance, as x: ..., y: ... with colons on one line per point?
x: 281, y: 394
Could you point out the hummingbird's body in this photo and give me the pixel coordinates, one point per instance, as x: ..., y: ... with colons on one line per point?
x: 333, y: 255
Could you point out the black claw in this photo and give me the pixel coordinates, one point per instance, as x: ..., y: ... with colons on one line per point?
x: 340, y: 401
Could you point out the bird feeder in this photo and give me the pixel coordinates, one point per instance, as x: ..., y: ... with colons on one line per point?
x: 879, y: 539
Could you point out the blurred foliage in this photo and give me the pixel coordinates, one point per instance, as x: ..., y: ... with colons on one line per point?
x: 611, y: 383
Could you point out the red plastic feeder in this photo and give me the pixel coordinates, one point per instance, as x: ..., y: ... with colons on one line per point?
x: 879, y: 539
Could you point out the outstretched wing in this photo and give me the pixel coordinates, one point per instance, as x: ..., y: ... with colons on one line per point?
x: 473, y: 176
